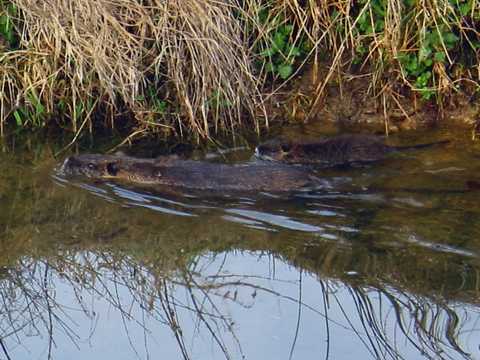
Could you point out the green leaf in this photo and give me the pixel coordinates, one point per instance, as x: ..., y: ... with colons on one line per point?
x: 412, y: 65
x: 402, y: 58
x: 422, y: 80
x: 426, y: 94
x: 294, y: 51
x: 450, y: 39
x: 40, y: 109
x: 18, y: 118
x: 285, y: 71
x: 269, y: 52
x: 263, y: 16
x: 286, y: 29
x: 424, y: 53
x: 466, y: 8
x: 161, y: 105
x: 279, y: 41
x: 361, y: 50
x: 270, y: 67
x: 12, y: 9
x: 431, y: 38
x: 439, y: 56
x: 410, y: 3
x: 379, y: 10
x: 379, y: 25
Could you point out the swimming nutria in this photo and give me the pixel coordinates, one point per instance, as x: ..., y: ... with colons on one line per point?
x: 338, y: 150
x: 173, y: 172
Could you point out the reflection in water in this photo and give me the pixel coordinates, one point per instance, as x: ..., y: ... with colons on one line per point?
x: 225, y: 305
x: 381, y: 264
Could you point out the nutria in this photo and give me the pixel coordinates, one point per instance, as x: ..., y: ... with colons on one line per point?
x: 338, y: 150
x: 200, y: 175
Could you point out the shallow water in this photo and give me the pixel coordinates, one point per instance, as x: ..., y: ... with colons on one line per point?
x: 381, y: 262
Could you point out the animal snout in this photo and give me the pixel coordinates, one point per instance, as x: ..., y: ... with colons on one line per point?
x: 65, y: 165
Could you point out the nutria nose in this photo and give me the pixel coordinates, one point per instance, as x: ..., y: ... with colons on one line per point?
x: 64, y: 166
x: 69, y: 166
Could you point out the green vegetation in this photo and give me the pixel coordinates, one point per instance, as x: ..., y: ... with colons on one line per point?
x: 431, y: 39
x: 200, y: 67
x: 281, y: 48
x: 7, y: 31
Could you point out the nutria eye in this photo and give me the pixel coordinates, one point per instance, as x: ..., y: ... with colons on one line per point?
x: 91, y: 166
x: 112, y: 169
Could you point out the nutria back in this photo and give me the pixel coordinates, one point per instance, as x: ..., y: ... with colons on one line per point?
x: 333, y: 151
x: 201, y: 175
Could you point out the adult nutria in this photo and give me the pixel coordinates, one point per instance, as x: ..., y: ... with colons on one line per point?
x: 201, y: 175
x: 338, y: 150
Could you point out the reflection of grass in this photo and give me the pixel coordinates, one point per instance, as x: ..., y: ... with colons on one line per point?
x: 201, y: 294
x: 48, y: 232
x: 431, y: 328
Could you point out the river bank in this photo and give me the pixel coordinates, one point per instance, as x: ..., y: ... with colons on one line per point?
x: 199, y: 70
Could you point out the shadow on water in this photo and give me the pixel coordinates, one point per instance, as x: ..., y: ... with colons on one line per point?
x: 383, y: 263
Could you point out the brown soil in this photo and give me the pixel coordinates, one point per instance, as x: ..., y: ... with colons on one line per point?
x: 347, y: 103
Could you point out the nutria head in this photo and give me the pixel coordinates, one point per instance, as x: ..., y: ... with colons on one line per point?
x: 118, y: 167
x: 273, y: 150
x: 91, y: 165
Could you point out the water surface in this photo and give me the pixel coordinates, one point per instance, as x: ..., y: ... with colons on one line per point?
x: 381, y: 262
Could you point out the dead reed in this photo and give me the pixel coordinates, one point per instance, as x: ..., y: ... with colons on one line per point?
x: 203, y: 66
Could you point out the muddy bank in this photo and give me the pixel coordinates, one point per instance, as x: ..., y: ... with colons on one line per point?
x: 346, y: 104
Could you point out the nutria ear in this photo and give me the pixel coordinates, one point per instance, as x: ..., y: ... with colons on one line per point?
x: 112, y: 169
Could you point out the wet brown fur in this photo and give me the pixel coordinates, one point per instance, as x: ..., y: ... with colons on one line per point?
x: 201, y: 175
x: 339, y: 150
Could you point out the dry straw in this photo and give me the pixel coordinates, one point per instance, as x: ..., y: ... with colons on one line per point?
x: 191, y: 66
x: 191, y: 52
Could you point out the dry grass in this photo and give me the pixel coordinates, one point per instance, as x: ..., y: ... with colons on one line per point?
x: 191, y: 66
x: 419, y: 46
x: 139, y: 57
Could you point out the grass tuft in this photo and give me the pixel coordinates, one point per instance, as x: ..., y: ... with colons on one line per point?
x: 206, y: 66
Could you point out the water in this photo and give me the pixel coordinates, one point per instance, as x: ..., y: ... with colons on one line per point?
x: 382, y: 262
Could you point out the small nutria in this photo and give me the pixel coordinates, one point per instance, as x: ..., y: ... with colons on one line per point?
x: 200, y: 175
x: 334, y: 151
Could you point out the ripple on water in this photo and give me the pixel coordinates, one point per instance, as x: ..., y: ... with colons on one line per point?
x: 276, y: 220
x: 437, y: 247
x: 389, y: 244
